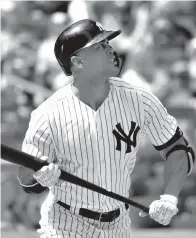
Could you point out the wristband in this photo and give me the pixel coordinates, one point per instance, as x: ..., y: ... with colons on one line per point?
x: 169, y: 198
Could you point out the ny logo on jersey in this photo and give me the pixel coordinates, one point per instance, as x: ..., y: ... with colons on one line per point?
x: 120, y: 135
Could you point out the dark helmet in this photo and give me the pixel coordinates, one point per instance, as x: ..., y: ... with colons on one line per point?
x: 77, y: 36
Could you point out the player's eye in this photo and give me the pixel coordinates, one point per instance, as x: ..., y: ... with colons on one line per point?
x: 99, y: 47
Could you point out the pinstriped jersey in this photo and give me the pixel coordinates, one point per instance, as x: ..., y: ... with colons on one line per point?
x: 97, y: 146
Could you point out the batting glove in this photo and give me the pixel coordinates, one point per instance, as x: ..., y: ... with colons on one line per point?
x: 162, y: 210
x: 48, y: 175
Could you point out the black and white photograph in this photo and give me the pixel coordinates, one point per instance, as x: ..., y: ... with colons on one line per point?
x: 98, y: 119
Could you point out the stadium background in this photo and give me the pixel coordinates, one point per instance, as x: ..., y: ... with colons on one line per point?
x: 158, y: 47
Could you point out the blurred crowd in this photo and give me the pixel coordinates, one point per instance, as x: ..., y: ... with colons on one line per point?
x: 158, y: 48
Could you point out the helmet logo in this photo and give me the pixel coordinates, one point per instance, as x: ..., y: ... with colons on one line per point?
x: 100, y: 26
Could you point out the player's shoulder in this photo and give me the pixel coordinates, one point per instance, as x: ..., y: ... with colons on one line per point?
x: 50, y: 104
x: 126, y: 85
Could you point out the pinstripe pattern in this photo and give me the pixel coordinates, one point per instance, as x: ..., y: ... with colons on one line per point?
x: 82, y: 142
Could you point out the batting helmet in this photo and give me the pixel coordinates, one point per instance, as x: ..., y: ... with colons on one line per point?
x: 77, y: 36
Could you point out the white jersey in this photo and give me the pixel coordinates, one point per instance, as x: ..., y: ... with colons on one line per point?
x: 97, y: 146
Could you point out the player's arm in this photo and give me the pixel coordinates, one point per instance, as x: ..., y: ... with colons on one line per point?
x: 37, y: 142
x: 179, y: 157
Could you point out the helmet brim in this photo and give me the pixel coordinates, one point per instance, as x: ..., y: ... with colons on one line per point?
x: 109, y: 35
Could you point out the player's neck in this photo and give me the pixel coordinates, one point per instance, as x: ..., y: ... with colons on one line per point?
x: 92, y: 83
x: 90, y: 93
x: 89, y: 88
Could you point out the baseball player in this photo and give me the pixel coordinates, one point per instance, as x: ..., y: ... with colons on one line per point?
x: 92, y: 128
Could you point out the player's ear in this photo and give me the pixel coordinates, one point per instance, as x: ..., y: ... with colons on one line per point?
x: 77, y: 61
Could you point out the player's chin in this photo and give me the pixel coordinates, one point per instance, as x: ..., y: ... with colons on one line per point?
x: 113, y: 71
x: 116, y: 67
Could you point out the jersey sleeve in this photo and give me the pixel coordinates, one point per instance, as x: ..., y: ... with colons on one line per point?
x: 38, y: 143
x: 160, y: 126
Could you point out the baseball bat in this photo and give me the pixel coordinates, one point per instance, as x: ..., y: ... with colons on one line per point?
x: 21, y: 158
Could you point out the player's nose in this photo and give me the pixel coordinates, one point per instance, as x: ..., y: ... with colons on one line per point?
x: 109, y: 50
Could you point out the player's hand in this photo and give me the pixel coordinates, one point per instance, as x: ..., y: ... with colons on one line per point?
x: 48, y: 175
x: 162, y: 210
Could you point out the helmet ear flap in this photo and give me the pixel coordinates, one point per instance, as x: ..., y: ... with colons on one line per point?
x: 58, y: 53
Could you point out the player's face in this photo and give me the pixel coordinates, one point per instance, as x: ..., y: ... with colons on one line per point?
x: 101, y: 59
